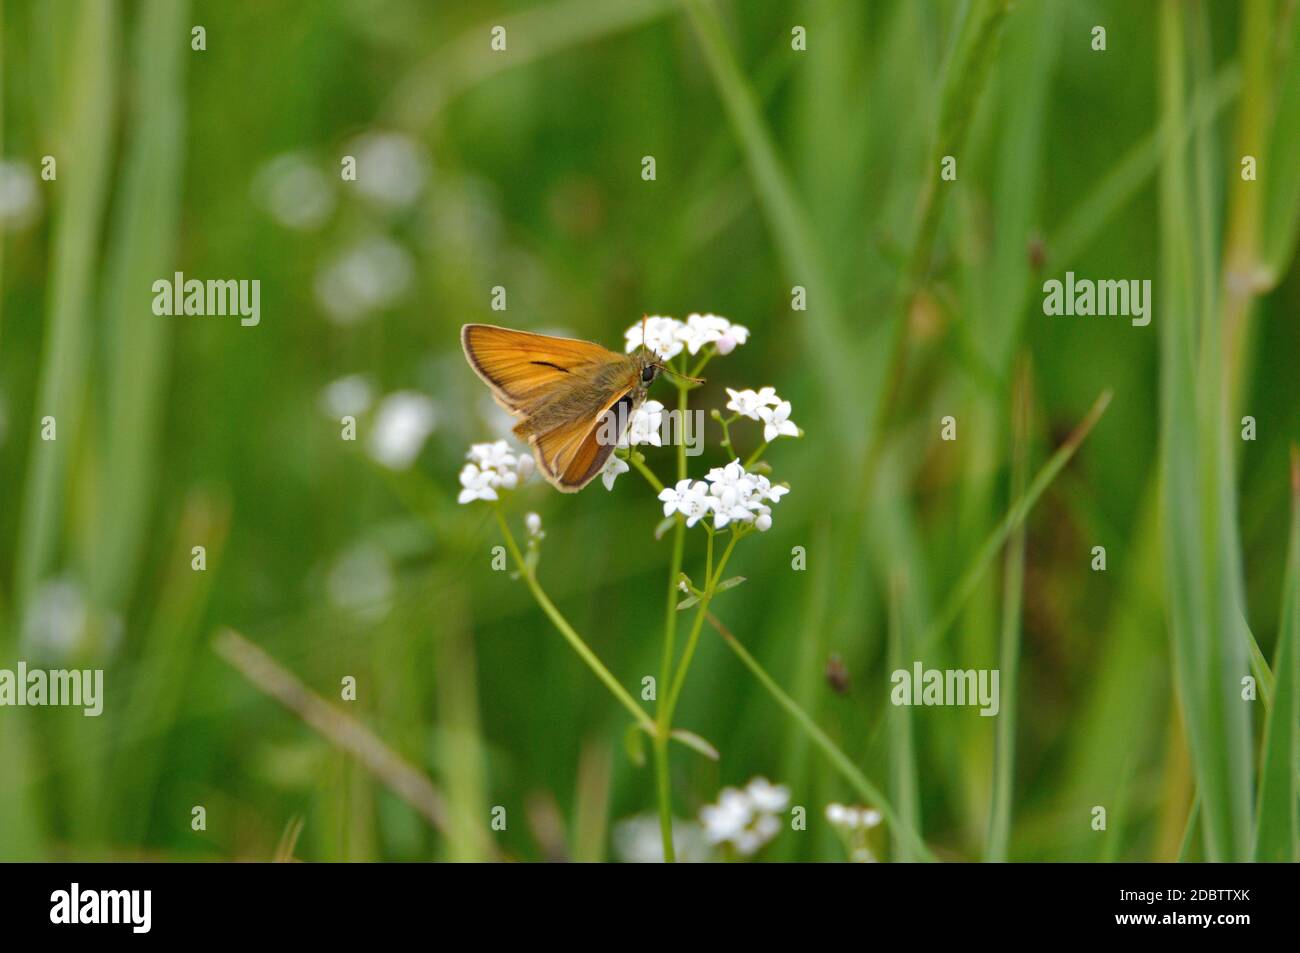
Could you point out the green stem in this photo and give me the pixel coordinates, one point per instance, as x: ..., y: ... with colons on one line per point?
x: 639, y: 462
x: 663, y: 783
x: 712, y: 578
x: 584, y: 651
x: 837, y: 757
x: 753, y: 457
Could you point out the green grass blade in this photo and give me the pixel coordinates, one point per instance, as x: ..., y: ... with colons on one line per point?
x: 87, y: 135
x: 137, y: 344
x: 1013, y: 585
x: 1277, y: 834
x: 1015, y: 517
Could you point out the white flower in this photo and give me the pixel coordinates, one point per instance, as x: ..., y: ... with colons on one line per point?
x: 749, y: 403
x: 688, y: 497
x: 660, y: 335
x: 493, y: 466
x: 476, y: 484
x: 777, y: 422
x: 746, y: 819
x: 614, y: 466
x: 742, y: 496
x: 391, y: 168
x: 533, y: 523
x: 57, y: 620
x: 350, y: 395
x: 294, y: 192
x: 373, y: 274
x: 852, y: 818
x: 702, y: 329
x: 20, y: 200
x: 645, y: 426
x: 526, y: 467
x: 402, y: 423
x: 768, y: 797
x: 361, y: 581
x: 637, y: 840
x: 492, y: 456
x: 726, y: 820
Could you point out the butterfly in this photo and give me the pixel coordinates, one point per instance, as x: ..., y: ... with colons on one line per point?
x: 574, y: 397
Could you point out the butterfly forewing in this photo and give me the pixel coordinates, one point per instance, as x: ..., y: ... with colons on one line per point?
x: 524, y: 369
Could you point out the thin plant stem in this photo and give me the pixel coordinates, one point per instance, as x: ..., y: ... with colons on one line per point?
x: 584, y: 651
x: 635, y: 459
x: 837, y: 757
x: 712, y: 578
x: 663, y: 783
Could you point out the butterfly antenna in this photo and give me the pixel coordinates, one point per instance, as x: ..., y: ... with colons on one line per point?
x: 685, y: 377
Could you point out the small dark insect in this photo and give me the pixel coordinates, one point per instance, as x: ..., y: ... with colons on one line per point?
x: 837, y: 675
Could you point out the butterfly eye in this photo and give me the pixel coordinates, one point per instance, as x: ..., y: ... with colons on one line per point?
x: 649, y: 373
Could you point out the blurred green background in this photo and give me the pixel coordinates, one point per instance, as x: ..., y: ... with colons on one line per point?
x: 775, y: 167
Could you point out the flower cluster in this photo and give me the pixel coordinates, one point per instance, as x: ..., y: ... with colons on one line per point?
x: 493, y: 466
x: 852, y: 818
x: 766, y: 406
x: 730, y: 494
x: 854, y: 824
x: 746, y: 819
x: 668, y: 337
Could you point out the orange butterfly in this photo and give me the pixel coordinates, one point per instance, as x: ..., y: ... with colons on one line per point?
x: 574, y: 396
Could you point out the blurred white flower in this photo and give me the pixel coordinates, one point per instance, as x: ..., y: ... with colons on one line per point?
x: 402, y: 423
x: 852, y: 818
x: 493, y: 466
x: 294, y: 192
x: 20, y: 201
x: 350, y: 395
x: 476, y: 484
x: 57, y: 620
x: 361, y: 582
x: 391, y: 168
x: 749, y: 403
x: 766, y: 796
x: 373, y: 274
x: 726, y: 820
x: 533, y: 523
x: 492, y: 456
x: 746, y: 819
x: 645, y: 426
x: 638, y: 840
x: 614, y: 466
x: 777, y: 422
x: 660, y: 335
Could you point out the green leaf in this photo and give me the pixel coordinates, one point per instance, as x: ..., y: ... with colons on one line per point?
x: 687, y: 602
x: 731, y: 583
x: 634, y: 744
x: 695, y: 742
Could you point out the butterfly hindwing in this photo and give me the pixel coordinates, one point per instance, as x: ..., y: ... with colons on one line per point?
x: 571, y: 454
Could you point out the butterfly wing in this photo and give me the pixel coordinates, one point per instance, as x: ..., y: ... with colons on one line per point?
x: 571, y: 454
x: 525, y: 370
